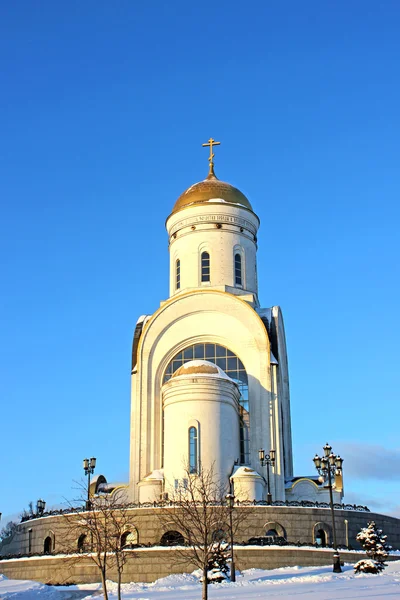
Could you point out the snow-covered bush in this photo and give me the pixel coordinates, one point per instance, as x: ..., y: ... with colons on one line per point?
x: 218, y: 569
x: 376, y: 548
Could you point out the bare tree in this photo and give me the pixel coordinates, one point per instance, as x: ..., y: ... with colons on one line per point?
x: 99, y: 533
x: 199, y: 511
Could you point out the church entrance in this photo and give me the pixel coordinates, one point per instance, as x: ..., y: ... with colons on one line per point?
x: 47, y: 546
x: 320, y: 538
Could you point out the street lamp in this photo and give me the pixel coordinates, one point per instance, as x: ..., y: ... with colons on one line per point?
x: 89, y: 465
x: 329, y: 465
x: 40, y: 506
x: 230, y: 498
x: 269, y: 460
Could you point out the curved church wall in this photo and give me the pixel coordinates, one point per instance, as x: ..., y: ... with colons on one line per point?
x: 298, y: 523
x: 210, y: 406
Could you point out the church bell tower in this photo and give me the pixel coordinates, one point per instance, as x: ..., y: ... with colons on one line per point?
x: 209, y: 367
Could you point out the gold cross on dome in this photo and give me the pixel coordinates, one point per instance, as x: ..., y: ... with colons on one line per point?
x: 211, y: 143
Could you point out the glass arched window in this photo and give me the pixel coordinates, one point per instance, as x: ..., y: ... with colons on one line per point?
x: 205, y: 266
x: 238, y: 269
x: 178, y: 274
x: 233, y: 366
x: 193, y: 450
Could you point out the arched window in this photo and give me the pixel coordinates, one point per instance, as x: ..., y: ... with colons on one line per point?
x: 193, y: 450
x: 238, y: 269
x: 233, y: 366
x: 178, y: 274
x: 129, y: 539
x: 82, y: 543
x: 172, y: 538
x: 205, y: 266
x: 48, y: 545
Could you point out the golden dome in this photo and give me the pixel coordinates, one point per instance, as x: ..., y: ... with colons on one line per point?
x: 211, y: 190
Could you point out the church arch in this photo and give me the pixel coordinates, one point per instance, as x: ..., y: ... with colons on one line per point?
x: 233, y: 367
x: 231, y: 322
x: 322, y: 534
x: 273, y: 529
x: 130, y: 537
x: 49, y: 543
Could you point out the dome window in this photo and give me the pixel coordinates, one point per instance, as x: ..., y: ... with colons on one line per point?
x: 238, y: 269
x: 178, y: 274
x: 205, y: 266
x: 193, y: 451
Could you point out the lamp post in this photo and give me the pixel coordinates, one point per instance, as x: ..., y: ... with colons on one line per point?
x: 230, y: 498
x: 40, y: 506
x: 89, y: 465
x: 269, y: 460
x: 329, y: 465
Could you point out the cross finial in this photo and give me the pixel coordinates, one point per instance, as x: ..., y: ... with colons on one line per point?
x: 211, y: 143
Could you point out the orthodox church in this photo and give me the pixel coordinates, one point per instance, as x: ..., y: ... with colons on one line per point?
x: 210, y: 381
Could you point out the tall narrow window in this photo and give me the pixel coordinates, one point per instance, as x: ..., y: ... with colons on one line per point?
x: 193, y: 460
x: 205, y: 266
x: 178, y: 274
x: 238, y: 269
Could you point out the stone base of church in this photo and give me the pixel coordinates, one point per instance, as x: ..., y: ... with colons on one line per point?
x: 304, y: 525
x: 147, y: 565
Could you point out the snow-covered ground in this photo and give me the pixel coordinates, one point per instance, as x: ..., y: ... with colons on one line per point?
x: 316, y: 583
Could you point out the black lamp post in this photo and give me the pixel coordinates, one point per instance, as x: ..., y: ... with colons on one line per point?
x: 230, y: 498
x: 269, y: 460
x: 89, y: 465
x: 40, y: 506
x: 329, y: 465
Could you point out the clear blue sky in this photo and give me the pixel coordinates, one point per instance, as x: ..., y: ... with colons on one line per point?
x: 103, y: 109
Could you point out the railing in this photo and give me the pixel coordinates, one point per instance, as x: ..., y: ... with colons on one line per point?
x: 170, y: 504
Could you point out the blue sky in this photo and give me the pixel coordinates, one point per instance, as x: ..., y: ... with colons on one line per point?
x: 103, y: 110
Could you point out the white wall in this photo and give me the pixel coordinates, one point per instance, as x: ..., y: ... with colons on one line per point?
x: 199, y: 316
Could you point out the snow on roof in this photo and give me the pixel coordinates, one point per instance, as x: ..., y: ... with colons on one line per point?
x: 156, y: 474
x: 244, y: 472
x: 200, y: 368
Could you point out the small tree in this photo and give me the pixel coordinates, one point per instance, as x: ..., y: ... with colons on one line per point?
x: 198, y: 511
x: 217, y: 569
x: 374, y: 544
x: 8, y: 530
x: 98, y: 534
